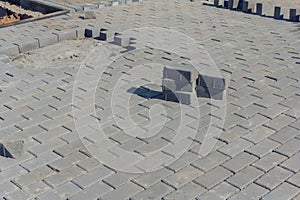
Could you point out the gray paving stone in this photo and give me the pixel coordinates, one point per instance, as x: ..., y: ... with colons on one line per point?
x: 63, y: 176
x: 148, y: 179
x: 235, y: 147
x: 269, y: 161
x: 18, y: 194
x: 47, y: 39
x: 156, y: 191
x: 65, y: 35
x: 279, y: 122
x: 9, y: 49
x: 188, y: 191
x: 262, y: 148
x: 284, y: 135
x: 293, y: 163
x: 116, y: 180
x: 92, y: 192
x: 27, y: 45
x: 253, y: 191
x: 284, y: 191
x: 182, y: 177
x: 210, y: 161
x: 274, y: 177
x: 289, y: 148
x: 221, y: 191
x: 239, y: 162
x: 295, y: 179
x: 213, y: 177
x: 254, y: 122
x: 92, y: 176
x: 245, y: 177
x: 258, y: 134
x: 123, y: 192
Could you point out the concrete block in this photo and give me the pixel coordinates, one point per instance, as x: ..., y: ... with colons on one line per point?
x: 103, y: 34
x: 47, y: 39
x: 216, y: 3
x: 121, y: 40
x: 277, y: 13
x: 27, y: 45
x: 65, y: 34
x: 205, y: 92
x: 90, y: 14
x: 168, y: 84
x: 92, y: 32
x: 259, y: 8
x: 245, y: 7
x: 212, y: 82
x: 180, y: 73
x: 9, y: 49
x: 169, y: 96
x: 293, y: 15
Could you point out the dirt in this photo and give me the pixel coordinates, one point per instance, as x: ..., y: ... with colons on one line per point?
x: 69, y: 53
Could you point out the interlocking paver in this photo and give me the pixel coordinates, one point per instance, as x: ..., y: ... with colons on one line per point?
x: 182, y: 177
x: 273, y: 178
x: 239, y: 162
x: 293, y: 163
x: 262, y: 148
x: 245, y: 177
x: 235, y: 147
x: 210, y: 161
x: 269, y: 161
x: 284, y: 191
x: 213, y: 177
x: 221, y: 191
x: 253, y: 191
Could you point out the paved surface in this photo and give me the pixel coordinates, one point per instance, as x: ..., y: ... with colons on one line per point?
x: 255, y: 156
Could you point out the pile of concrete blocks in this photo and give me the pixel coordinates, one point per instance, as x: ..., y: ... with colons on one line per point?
x: 179, y: 84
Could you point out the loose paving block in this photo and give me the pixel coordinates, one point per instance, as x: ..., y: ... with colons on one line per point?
x: 259, y: 8
x: 120, y: 40
x: 277, y: 13
x: 91, y: 32
x: 103, y: 34
x: 293, y: 15
x: 213, y: 177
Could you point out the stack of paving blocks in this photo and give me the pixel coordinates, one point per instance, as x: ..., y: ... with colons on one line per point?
x: 211, y: 87
x: 179, y: 84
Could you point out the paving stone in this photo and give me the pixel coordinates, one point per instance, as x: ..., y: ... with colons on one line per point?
x: 93, y: 191
x: 182, y: 177
x: 239, y: 162
x: 156, y: 191
x: 289, y: 148
x: 18, y: 194
x: 245, y: 177
x: 116, y: 180
x: 43, y: 159
x: 235, y: 147
x: 221, y: 191
x: 254, y: 122
x: 27, y: 45
x: 284, y: 135
x: 7, y: 188
x: 213, y: 177
x: 274, y: 177
x: 46, y: 40
x: 36, y: 188
x: 269, y: 161
x: 279, y: 122
x: 258, y: 134
x: 63, y: 176
x: 65, y: 35
x: 233, y: 134
x: 284, y: 191
x: 262, y: 148
x: 123, y: 192
x: 210, y: 161
x: 148, y: 179
x: 253, y: 191
x: 293, y: 163
x: 188, y: 191
x: 295, y: 179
